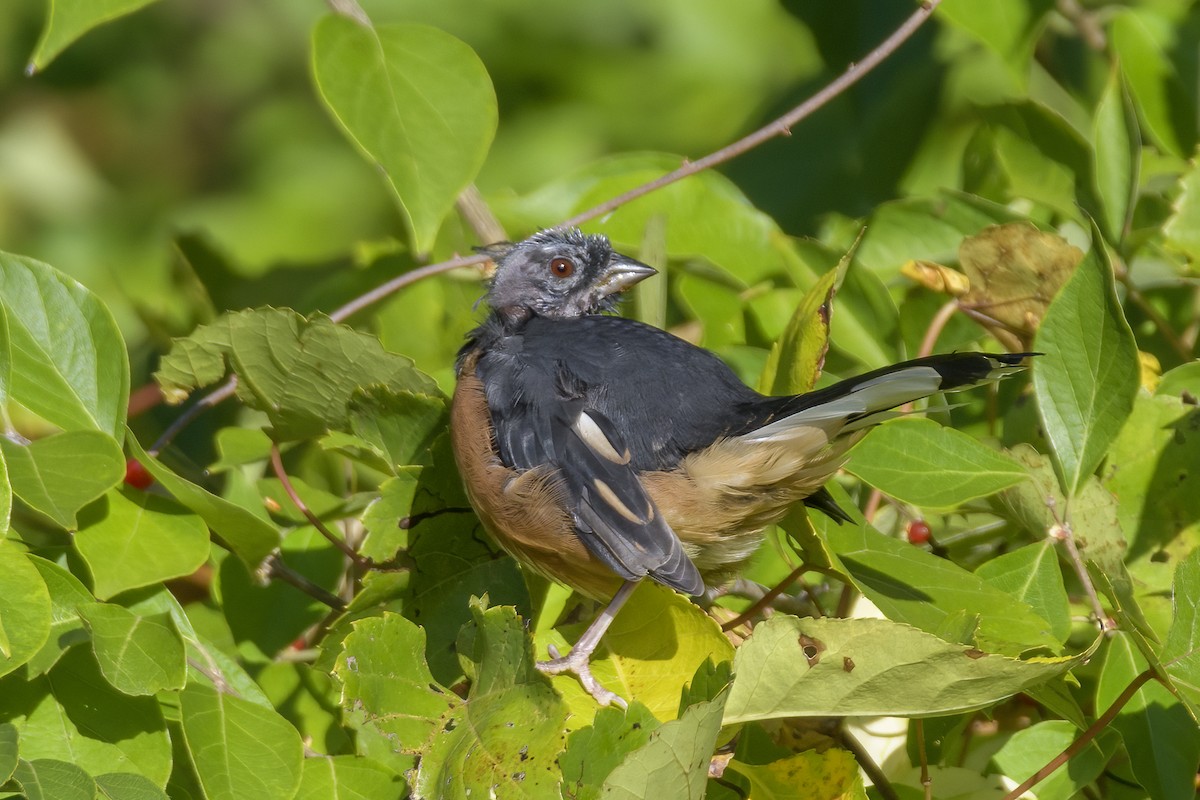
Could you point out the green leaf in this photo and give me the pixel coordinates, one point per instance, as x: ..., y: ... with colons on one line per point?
x: 926, y: 464
x: 24, y: 609
x: 510, y: 728
x: 1026, y: 752
x: 265, y: 619
x: 1031, y: 574
x: 594, y: 751
x: 1039, y: 504
x: 1182, y: 230
x: 67, y: 20
x: 386, y: 684
x: 1087, y: 379
x: 1117, y: 155
x: 240, y: 446
x: 349, y: 778
x: 6, y: 491
x: 674, y: 762
x: 1157, y: 459
x: 69, y: 364
x: 707, y: 217
x: 382, y: 518
x: 302, y: 373
x: 61, y: 474
x: 792, y: 667
x: 417, y: 102
x: 1181, y: 652
x: 127, y: 786
x: 1162, y: 740
x: 66, y: 628
x: 9, y: 750
x: 239, y: 749
x: 135, y: 539
x: 797, y: 357
x: 308, y: 698
x: 927, y: 229
x: 73, y: 714
x: 831, y: 773
x: 1009, y: 27
x: 139, y: 655
x: 251, y: 537
x: 650, y: 652
x: 401, y: 425
x: 912, y: 586
x: 456, y: 559
x: 50, y: 779
x: 1143, y: 39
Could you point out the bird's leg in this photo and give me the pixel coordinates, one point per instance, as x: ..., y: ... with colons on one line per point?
x: 577, y: 661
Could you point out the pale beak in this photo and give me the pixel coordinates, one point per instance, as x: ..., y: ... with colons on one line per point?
x: 621, y: 273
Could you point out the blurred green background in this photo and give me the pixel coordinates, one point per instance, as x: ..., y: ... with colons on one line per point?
x: 179, y: 162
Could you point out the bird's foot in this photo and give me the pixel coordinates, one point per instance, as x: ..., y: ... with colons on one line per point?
x: 578, y: 663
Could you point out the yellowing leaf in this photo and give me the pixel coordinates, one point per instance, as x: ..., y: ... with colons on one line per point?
x: 1015, y: 270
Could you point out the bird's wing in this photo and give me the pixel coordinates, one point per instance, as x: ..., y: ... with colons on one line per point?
x: 547, y: 410
x: 614, y: 515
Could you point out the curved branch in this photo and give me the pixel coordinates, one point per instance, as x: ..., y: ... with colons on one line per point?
x: 779, y: 127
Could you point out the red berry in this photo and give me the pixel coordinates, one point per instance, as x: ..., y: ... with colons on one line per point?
x: 137, y: 475
x: 918, y: 532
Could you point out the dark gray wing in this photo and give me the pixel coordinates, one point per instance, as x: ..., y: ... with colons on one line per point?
x: 552, y: 392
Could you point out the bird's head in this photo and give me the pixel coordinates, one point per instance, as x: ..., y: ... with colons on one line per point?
x: 562, y: 273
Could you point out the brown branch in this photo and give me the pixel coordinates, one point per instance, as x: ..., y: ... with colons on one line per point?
x: 399, y: 282
x: 302, y: 507
x: 275, y: 568
x: 764, y: 601
x: 209, y: 400
x: 936, y: 326
x: 868, y: 766
x: 1062, y: 531
x: 479, y: 216
x: 779, y: 127
x: 926, y: 781
x: 1084, y: 739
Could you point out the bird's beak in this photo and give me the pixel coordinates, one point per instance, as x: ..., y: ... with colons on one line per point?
x: 623, y: 272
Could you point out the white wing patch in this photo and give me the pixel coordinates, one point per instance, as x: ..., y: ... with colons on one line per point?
x: 870, y: 397
x: 591, y: 434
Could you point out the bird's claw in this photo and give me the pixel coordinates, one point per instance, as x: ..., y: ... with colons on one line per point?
x: 577, y: 663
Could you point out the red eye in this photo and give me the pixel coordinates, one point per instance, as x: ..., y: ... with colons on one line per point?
x: 562, y: 267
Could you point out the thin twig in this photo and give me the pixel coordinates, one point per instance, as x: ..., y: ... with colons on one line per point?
x: 1084, y: 739
x: 1062, y: 531
x: 926, y: 781
x: 1090, y: 31
x: 302, y: 507
x: 868, y: 765
x: 209, y: 400
x: 479, y: 216
x: 936, y: 326
x: 275, y: 568
x: 779, y: 127
x: 400, y: 281
x: 765, y: 600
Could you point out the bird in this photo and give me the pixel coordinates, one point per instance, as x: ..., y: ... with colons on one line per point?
x: 600, y: 451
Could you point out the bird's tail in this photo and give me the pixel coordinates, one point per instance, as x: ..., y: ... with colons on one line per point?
x: 859, y: 402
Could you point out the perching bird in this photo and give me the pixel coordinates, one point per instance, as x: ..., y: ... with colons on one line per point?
x: 599, y: 450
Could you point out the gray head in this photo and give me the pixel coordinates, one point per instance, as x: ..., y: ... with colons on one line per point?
x: 562, y: 273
